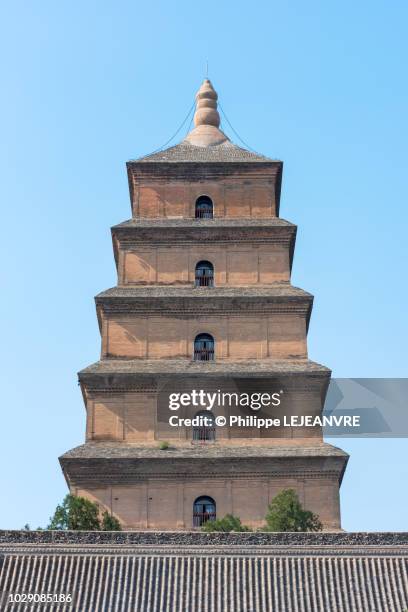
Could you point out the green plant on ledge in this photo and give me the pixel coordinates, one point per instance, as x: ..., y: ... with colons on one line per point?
x: 228, y: 523
x: 164, y: 445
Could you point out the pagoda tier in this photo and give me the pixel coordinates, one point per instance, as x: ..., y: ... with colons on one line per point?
x: 139, y: 461
x: 163, y: 322
x: 252, y: 252
x: 203, y: 301
x: 148, y: 490
x: 242, y: 185
x: 128, y: 400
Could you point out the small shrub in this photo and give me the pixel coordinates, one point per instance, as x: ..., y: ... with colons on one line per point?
x: 164, y: 445
x: 76, y: 513
x: 285, y: 513
x: 228, y: 523
x: 110, y: 523
x: 81, y: 514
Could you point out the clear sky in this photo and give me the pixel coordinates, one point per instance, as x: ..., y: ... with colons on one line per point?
x: 88, y: 85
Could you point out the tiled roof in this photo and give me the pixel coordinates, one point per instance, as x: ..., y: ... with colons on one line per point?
x: 220, y: 222
x: 275, y: 290
x: 186, y: 152
x: 306, y: 575
x: 113, y: 450
x: 186, y: 367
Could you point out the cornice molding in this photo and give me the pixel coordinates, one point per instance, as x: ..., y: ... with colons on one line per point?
x: 93, y: 478
x: 128, y: 243
x: 193, y: 307
x: 154, y: 387
x: 134, y: 237
x: 142, y: 173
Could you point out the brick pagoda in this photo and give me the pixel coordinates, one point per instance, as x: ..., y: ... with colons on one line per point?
x: 203, y: 299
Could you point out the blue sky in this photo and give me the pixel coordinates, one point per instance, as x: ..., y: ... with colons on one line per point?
x: 87, y: 86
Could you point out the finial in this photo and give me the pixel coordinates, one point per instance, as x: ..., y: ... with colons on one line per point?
x: 206, y: 109
x: 206, y: 132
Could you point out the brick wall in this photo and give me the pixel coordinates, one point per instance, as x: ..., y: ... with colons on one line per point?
x: 232, y: 197
x: 280, y: 336
x: 234, y: 265
x: 168, y: 504
x: 144, y: 416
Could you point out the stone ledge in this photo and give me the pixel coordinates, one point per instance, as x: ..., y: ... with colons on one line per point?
x: 245, y: 223
x: 185, y: 367
x: 281, y: 292
x: 275, y: 450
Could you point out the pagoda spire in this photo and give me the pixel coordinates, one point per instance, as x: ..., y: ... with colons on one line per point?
x: 206, y: 132
x: 206, y: 108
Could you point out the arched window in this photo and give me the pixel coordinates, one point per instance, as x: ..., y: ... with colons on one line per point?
x: 203, y: 510
x: 204, y: 348
x: 205, y: 430
x: 204, y: 274
x: 204, y: 208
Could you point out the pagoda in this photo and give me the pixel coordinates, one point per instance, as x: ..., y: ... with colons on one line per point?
x: 203, y: 300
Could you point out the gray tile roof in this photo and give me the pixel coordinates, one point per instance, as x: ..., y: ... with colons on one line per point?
x: 273, y: 291
x: 220, y: 222
x: 186, y: 367
x: 186, y: 152
x: 309, y: 543
x: 225, y: 573
x: 121, y: 450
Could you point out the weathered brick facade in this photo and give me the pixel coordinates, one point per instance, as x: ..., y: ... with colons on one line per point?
x: 149, y: 324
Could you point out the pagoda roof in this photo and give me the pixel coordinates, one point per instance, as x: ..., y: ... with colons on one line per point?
x: 271, y: 292
x: 220, y: 222
x: 101, y: 463
x: 206, y: 142
x: 281, y: 298
x: 225, y: 152
x: 250, y: 368
x: 173, y: 570
x: 274, y: 230
x: 277, y: 449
